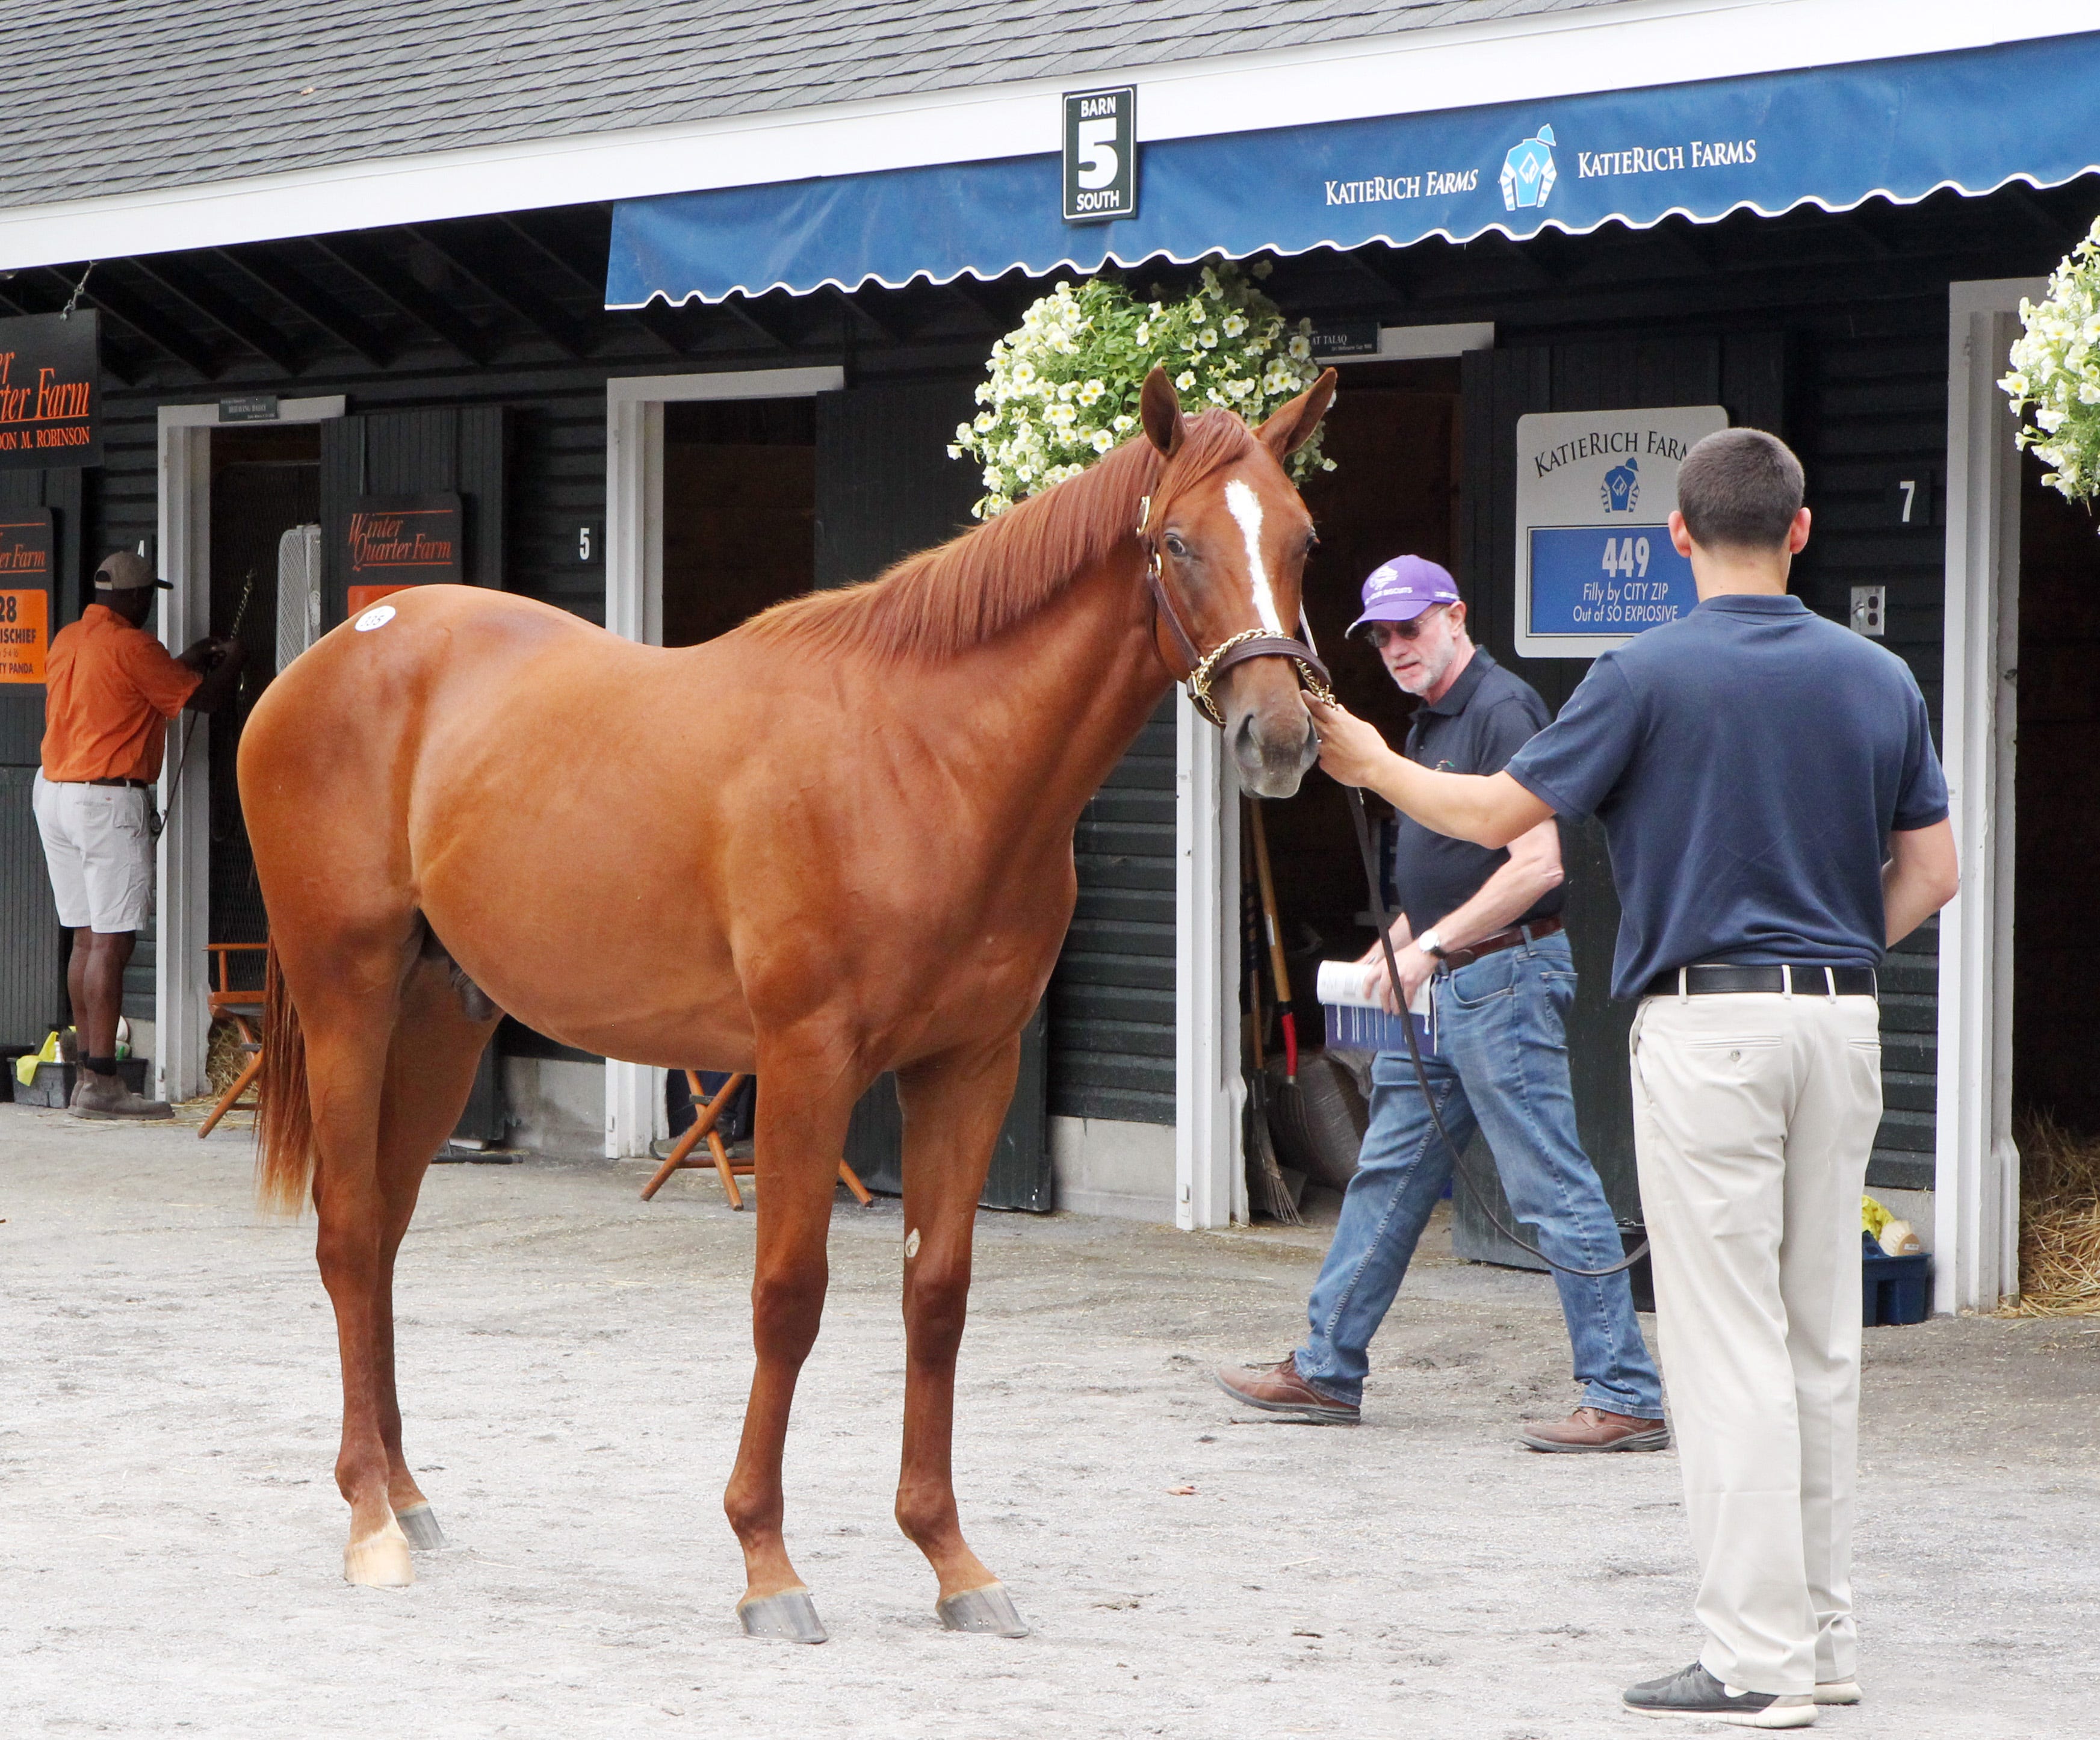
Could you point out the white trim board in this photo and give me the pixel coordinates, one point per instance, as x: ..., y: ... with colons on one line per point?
x: 634, y: 606
x: 182, y: 918
x: 1532, y: 57
x: 1976, y: 1169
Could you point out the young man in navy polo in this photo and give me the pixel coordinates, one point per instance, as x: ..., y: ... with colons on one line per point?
x: 1777, y: 819
x: 1487, y: 924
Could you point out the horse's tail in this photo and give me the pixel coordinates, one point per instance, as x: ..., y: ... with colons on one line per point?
x: 284, y: 1116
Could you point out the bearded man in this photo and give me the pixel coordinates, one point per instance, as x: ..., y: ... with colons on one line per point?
x: 1486, y: 925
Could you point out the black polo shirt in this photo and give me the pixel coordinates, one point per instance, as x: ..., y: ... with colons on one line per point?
x: 1749, y: 761
x: 1484, y: 719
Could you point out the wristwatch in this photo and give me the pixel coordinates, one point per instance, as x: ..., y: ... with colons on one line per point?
x: 1430, y: 943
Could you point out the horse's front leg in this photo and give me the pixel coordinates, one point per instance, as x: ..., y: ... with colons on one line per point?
x: 804, y: 1107
x: 954, y: 1106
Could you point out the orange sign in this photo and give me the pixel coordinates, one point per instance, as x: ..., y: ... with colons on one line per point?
x: 23, y: 636
x: 25, y: 563
x: 362, y: 599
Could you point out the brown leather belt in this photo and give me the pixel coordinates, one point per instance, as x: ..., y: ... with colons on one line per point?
x: 137, y: 785
x: 1500, y: 940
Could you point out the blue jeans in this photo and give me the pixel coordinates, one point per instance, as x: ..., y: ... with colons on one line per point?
x: 1503, y: 1070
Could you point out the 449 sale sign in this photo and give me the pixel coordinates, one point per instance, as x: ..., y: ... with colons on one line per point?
x: 1594, y: 491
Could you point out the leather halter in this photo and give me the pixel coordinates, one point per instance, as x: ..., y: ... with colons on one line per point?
x: 1201, y: 669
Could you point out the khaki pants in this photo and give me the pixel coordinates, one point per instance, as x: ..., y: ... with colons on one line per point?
x: 1754, y: 1116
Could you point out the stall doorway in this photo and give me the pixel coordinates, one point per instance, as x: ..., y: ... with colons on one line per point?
x: 265, y: 484
x: 2056, y: 1020
x: 1395, y: 437
x: 740, y: 515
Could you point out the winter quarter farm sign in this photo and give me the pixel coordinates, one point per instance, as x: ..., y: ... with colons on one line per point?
x: 1594, y: 491
x: 51, y: 390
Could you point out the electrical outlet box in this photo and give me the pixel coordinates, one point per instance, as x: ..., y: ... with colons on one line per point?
x: 1870, y: 611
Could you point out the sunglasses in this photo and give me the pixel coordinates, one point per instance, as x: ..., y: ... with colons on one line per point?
x: 1383, y: 633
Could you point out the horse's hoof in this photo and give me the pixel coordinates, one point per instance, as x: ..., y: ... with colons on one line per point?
x: 789, y: 1617
x: 990, y: 1610
x: 419, y: 1522
x: 380, y: 1561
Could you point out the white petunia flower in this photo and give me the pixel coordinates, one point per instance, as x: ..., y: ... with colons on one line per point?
x: 1103, y: 440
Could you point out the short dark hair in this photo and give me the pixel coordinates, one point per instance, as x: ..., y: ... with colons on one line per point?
x: 1740, y: 489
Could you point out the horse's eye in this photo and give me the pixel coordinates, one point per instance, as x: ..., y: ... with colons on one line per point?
x: 1312, y: 542
x: 1175, y: 547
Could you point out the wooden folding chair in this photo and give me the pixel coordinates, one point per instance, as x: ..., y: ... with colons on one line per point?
x: 244, y: 1009
x: 704, y: 1130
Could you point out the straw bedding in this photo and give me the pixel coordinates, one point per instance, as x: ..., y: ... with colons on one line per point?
x: 2059, y: 1220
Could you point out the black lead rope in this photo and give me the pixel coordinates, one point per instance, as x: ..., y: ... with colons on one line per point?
x: 1422, y: 1076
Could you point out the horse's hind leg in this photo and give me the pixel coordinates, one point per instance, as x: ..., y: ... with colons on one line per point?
x: 436, y: 1045
x: 953, y: 1108
x: 348, y: 1011
x: 802, y: 1118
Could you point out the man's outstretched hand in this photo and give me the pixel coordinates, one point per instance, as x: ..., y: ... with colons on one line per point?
x: 1350, y: 750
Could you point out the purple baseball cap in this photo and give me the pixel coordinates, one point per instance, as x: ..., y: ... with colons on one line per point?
x: 1404, y: 588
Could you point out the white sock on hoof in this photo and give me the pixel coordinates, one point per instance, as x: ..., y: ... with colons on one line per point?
x: 380, y: 1561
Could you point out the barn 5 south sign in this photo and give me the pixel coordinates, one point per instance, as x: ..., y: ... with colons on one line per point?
x: 50, y: 391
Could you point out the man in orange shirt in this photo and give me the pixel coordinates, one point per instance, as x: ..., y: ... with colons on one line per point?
x: 110, y: 690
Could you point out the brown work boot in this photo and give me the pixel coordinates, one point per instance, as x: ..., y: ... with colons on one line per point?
x: 1279, y: 1389
x: 1591, y: 1429
x: 106, y: 1097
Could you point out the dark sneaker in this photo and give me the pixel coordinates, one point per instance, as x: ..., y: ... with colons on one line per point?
x: 1590, y: 1429
x: 1278, y: 1389
x: 1837, y: 1691
x: 106, y: 1097
x: 1697, y: 1696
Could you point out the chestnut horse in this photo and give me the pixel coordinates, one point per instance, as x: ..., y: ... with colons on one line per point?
x: 834, y: 842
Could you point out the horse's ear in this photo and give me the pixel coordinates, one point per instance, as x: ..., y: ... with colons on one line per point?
x: 1159, y: 408
x: 1292, y: 426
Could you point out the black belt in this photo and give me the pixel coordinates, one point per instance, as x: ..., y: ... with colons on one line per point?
x: 1726, y: 981
x: 139, y: 785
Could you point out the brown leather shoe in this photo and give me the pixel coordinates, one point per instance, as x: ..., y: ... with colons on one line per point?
x: 1278, y: 1389
x: 1591, y: 1429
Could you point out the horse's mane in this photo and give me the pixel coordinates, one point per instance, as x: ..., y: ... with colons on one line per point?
x: 974, y: 587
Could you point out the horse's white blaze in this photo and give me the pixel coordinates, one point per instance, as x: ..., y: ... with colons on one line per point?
x: 1246, y: 507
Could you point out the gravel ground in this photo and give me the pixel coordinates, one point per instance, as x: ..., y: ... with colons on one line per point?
x: 573, y: 1367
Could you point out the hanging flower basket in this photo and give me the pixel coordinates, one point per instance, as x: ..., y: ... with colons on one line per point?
x: 1061, y: 389
x: 2055, y: 373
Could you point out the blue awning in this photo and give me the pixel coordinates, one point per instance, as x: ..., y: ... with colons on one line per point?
x: 1834, y: 136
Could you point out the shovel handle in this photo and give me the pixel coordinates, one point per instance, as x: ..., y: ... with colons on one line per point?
x: 1278, y: 967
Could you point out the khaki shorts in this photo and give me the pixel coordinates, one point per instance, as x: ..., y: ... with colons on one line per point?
x: 100, y: 854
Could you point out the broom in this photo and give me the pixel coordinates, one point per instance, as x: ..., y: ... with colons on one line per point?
x: 1266, y: 1187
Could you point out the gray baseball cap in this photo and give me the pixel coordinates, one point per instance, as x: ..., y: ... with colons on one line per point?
x: 122, y: 571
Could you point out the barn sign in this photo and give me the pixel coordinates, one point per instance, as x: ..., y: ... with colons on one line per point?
x: 26, y: 544
x: 1594, y: 491
x: 393, y: 541
x: 51, y: 390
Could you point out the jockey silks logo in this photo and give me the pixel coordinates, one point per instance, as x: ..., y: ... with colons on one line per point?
x: 1527, y: 171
